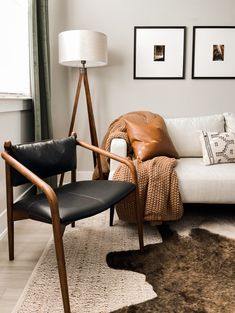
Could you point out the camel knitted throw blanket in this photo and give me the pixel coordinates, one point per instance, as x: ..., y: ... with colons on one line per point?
x: 158, y: 184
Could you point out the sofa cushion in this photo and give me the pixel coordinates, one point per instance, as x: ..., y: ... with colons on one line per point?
x: 205, y: 184
x: 151, y: 139
x: 217, y: 147
x: 184, y: 132
x: 229, y: 122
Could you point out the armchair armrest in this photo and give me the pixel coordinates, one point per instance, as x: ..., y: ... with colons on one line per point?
x: 33, y: 178
x: 113, y: 156
x: 118, y: 146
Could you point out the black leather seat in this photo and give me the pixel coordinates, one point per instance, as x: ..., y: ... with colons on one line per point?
x: 66, y: 204
x: 77, y: 200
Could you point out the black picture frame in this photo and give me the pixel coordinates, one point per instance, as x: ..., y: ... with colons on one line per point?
x: 213, y: 52
x: 149, y: 41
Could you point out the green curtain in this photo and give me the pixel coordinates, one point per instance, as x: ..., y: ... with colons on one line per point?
x: 40, y: 71
x: 40, y: 68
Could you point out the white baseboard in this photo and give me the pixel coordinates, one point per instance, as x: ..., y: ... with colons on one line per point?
x: 81, y: 175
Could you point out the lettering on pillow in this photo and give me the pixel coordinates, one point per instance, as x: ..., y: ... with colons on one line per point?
x: 217, y: 147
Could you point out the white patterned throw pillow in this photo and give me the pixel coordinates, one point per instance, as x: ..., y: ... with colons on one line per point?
x: 217, y: 147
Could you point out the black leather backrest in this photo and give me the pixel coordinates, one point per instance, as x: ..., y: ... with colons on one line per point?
x: 45, y: 158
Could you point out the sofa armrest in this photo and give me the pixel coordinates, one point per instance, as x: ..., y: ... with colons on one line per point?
x: 118, y: 146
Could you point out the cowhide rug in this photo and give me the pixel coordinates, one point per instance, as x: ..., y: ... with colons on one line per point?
x: 189, y: 274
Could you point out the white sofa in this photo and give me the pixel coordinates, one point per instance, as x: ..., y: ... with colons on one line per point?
x: 198, y: 183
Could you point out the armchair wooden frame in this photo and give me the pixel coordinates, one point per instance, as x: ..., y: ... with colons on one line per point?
x: 58, y: 227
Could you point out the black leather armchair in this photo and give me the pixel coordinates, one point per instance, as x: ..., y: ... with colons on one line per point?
x: 66, y: 204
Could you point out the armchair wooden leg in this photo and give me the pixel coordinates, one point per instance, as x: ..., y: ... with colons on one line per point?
x: 140, y: 220
x: 111, y: 215
x: 10, y: 227
x: 59, y: 248
x: 62, y: 227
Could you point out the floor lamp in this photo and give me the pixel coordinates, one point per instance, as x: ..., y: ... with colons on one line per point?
x: 83, y: 48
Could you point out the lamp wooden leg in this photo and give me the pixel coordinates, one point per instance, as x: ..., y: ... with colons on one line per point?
x: 94, y: 140
x: 75, y: 107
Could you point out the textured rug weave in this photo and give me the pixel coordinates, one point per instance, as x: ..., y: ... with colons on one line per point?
x: 93, y: 286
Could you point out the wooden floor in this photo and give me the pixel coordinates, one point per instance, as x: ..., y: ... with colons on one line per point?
x: 30, y: 240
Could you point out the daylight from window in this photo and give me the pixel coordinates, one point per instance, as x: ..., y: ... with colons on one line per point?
x: 14, y: 51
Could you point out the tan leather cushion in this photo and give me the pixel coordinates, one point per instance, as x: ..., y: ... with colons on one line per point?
x: 149, y: 140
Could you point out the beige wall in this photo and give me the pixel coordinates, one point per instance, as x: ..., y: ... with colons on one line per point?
x: 16, y: 124
x: 114, y: 91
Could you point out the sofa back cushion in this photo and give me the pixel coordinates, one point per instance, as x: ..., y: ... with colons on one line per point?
x: 229, y: 122
x: 184, y: 132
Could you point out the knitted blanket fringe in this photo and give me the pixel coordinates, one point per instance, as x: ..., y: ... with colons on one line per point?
x: 158, y: 184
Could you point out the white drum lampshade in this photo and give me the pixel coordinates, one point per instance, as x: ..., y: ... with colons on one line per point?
x: 82, y: 45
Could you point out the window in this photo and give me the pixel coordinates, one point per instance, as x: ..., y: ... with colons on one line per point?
x: 14, y: 51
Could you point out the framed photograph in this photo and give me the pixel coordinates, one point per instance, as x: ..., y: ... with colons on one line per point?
x: 213, y: 52
x: 159, y: 52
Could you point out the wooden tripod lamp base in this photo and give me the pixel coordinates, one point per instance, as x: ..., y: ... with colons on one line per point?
x: 84, y: 48
x: 83, y: 78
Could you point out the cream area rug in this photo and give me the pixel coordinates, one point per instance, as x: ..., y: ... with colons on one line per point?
x: 93, y: 286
